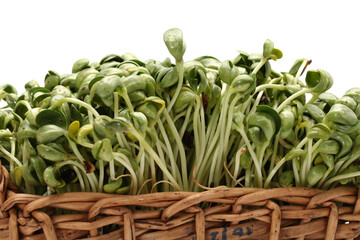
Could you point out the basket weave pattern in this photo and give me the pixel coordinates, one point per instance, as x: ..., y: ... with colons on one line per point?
x: 223, y: 213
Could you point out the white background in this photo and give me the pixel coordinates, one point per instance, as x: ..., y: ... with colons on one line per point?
x: 37, y: 36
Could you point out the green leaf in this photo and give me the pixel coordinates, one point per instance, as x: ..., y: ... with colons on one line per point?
x: 52, y: 79
x: 185, y: 98
x: 319, y: 130
x: 315, y: 174
x: 48, y: 133
x: 329, y: 98
x: 245, y: 160
x: 50, y: 153
x: 51, y: 180
x: 268, y: 48
x: 244, y: 84
x: 49, y: 116
x: 264, y: 121
x: 342, y: 114
x: 80, y: 65
x: 329, y: 147
x: 315, y: 112
x: 228, y: 71
x: 273, y: 113
x: 111, y: 58
x: 170, y: 78
x: 345, y: 142
x: 318, y: 80
x: 111, y: 187
x: 173, y: 39
x: 102, y: 150
x: 286, y: 178
x: 288, y: 122
x: 39, y: 166
x: 351, y: 169
x: 294, y: 154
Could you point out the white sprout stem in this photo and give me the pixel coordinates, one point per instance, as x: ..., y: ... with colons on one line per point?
x: 261, y: 151
x: 307, y: 162
x: 203, y: 140
x: 81, y: 179
x: 239, y: 180
x: 229, y: 145
x: 326, y: 174
x: 11, y: 157
x: 156, y: 158
x: 253, y: 155
x: 12, y: 151
x: 296, y: 172
x: 312, y: 154
x: 128, y: 103
x: 259, y: 66
x: 257, y: 101
x: 91, y: 120
x: 161, y: 147
x: 340, y: 177
x: 228, y: 124
x: 273, y: 172
x: 237, y: 162
x: 180, y: 65
x: 131, y: 171
x: 202, y: 165
x: 213, y: 165
x: 281, y: 162
x: 75, y: 101
x: 225, y: 135
x: 203, y: 169
x: 120, y: 141
x: 269, y: 152
x: 180, y: 115
x: 183, y: 127
x: 292, y: 97
x: 112, y: 169
x: 181, y: 150
x: 271, y: 86
x: 247, y: 177
x: 212, y: 123
x: 82, y: 160
x: 81, y: 167
x: 141, y: 161
x: 301, y: 69
x: 101, y: 175
x: 348, y: 162
x: 245, y: 105
x: 273, y: 157
x: 216, y: 162
x: 152, y: 170
x: 169, y: 148
x: 143, y: 168
x: 196, y: 132
x: 116, y: 104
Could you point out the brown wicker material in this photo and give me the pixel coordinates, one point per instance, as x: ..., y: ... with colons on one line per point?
x: 223, y: 213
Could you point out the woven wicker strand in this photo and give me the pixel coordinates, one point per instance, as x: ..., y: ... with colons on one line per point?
x: 222, y: 213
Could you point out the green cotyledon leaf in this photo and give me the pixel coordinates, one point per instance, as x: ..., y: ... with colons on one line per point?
x: 265, y: 123
x: 315, y: 174
x: 174, y: 42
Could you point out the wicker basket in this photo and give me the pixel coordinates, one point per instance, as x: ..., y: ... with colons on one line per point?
x: 223, y: 213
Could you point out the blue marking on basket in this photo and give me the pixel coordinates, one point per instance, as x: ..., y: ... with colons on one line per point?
x: 224, y: 237
x: 248, y: 231
x: 238, y: 232
x: 191, y: 233
x: 213, y: 235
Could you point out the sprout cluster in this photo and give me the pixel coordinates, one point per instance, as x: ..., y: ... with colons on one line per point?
x: 126, y: 126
